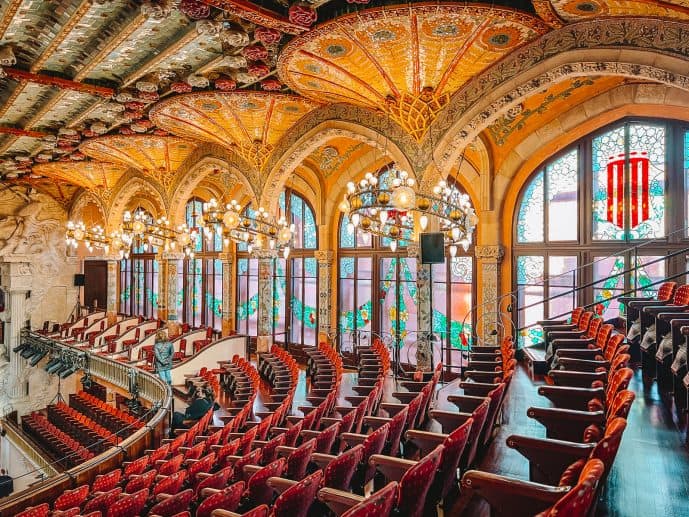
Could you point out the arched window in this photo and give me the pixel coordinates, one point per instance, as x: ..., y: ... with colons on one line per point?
x: 377, y: 293
x: 295, y: 279
x: 201, y: 283
x: 139, y: 279
x: 591, y: 205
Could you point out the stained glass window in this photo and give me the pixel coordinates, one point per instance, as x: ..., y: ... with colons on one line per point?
x: 530, y: 294
x: 139, y: 278
x: 201, y: 283
x: 247, y: 296
x: 629, y: 170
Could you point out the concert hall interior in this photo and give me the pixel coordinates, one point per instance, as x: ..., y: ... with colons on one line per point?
x: 313, y: 258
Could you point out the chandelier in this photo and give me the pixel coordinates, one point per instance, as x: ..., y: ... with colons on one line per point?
x: 138, y: 230
x: 255, y: 228
x: 388, y: 205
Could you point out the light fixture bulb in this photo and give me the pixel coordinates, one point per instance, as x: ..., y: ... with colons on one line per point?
x: 355, y: 219
x: 423, y: 222
x: 393, y: 246
x: 453, y: 251
x: 383, y: 215
x: 455, y: 233
x: 285, y: 252
x: 350, y: 228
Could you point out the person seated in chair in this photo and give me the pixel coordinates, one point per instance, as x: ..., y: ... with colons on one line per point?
x: 204, y: 399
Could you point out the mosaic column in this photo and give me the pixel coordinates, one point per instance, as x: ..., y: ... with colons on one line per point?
x: 168, y: 292
x: 325, y: 259
x: 265, y: 299
x: 489, y: 259
x: 16, y: 282
x: 424, y: 325
x: 228, y: 294
x: 112, y: 295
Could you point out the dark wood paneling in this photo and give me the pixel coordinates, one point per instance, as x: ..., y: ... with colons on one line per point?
x: 96, y: 283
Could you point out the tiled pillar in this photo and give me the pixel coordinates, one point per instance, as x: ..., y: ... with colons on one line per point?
x: 264, y: 338
x: 168, y: 294
x: 489, y: 259
x: 228, y: 294
x: 424, y: 351
x: 16, y: 282
x: 326, y: 260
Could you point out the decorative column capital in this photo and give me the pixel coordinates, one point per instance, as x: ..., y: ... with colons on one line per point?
x: 227, y: 256
x: 324, y: 257
x: 496, y: 252
x: 413, y: 250
x: 172, y: 255
x: 265, y: 254
x: 16, y: 276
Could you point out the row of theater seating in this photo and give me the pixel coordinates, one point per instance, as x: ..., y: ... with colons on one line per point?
x: 584, y: 429
x: 89, y: 433
x: 68, y: 451
x: 113, y: 419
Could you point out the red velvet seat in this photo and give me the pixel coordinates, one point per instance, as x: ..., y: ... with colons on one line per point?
x: 41, y: 510
x: 299, y: 459
x: 257, y: 491
x: 175, y: 504
x: 379, y: 504
x: 339, y: 472
x: 581, y: 398
x: 451, y: 420
x: 170, y: 484
x: 71, y: 498
x: 140, y: 481
x: 102, y: 502
x: 107, y: 482
x: 579, y: 500
x: 128, y: 505
x: 297, y: 500
x: 227, y: 499
x: 217, y: 480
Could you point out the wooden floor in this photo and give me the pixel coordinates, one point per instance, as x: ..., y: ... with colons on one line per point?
x: 650, y: 476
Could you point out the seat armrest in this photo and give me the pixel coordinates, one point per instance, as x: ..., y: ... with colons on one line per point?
x: 374, y: 422
x: 571, y: 397
x: 502, y: 492
x: 673, y: 314
x: 392, y: 408
x: 392, y: 468
x: 548, y: 459
x: 279, y: 485
x: 322, y: 459
x: 353, y: 438
x: 449, y: 420
x: 466, y: 403
x: 581, y: 365
x: 477, y: 389
x: 578, y: 353
x: 285, y: 451
x: 337, y: 500
x: 580, y: 379
x: 424, y: 440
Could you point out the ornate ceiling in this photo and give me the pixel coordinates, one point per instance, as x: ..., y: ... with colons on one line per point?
x: 250, y: 123
x: 406, y: 61
x: 92, y: 91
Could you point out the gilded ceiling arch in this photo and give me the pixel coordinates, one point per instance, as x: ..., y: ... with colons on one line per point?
x: 81, y: 201
x: 312, y: 137
x: 200, y: 167
x: 612, y: 47
x: 147, y: 195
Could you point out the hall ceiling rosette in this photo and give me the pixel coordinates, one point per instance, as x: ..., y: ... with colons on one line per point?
x: 407, y: 60
x: 250, y: 123
x: 577, y: 10
x: 158, y: 157
x: 97, y: 177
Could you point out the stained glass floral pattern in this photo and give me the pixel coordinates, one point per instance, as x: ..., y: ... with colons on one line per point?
x: 531, y: 210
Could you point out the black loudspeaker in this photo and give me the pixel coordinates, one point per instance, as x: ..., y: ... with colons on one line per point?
x: 433, y: 248
x: 79, y: 280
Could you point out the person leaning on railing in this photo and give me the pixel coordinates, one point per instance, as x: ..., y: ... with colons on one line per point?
x: 163, y: 352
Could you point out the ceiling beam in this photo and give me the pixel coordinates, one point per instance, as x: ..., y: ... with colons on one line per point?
x: 56, y: 82
x: 6, y: 130
x: 7, y: 18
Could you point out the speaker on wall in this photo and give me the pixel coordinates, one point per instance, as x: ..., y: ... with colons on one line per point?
x: 432, y: 248
x: 79, y: 280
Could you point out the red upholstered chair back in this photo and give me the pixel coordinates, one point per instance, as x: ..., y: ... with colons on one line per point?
x: 160, y: 453
x: 611, y: 346
x: 107, y: 482
x: 397, y: 424
x: 347, y: 422
x: 204, y: 464
x: 603, y: 335
x: 292, y: 434
x: 327, y: 437
x: 270, y: 449
x: 413, y: 411
x: 228, y: 499
x: 621, y: 405
x: 594, y: 327
x: 195, y: 452
x: 578, y: 500
x: 379, y: 503
x: 171, y: 484
x: 681, y: 295
x: 137, y: 466
x: 258, y: 491
x: 71, y: 498
x: 297, y: 499
x: 141, y: 481
x: 171, y: 466
x: 339, y: 472
x: 576, y: 314
x: 259, y: 511
x: 585, y: 320
x: 454, y: 446
x: 479, y: 416
x: 373, y: 444
x: 253, y: 458
x: 102, y: 502
x: 298, y: 461
x: 495, y: 397
x: 218, y: 480
x: 360, y: 413
x: 173, y: 505
x: 246, y: 440
x: 665, y: 291
x: 606, y: 449
x: 620, y: 381
x: 128, y: 505
x: 416, y: 482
